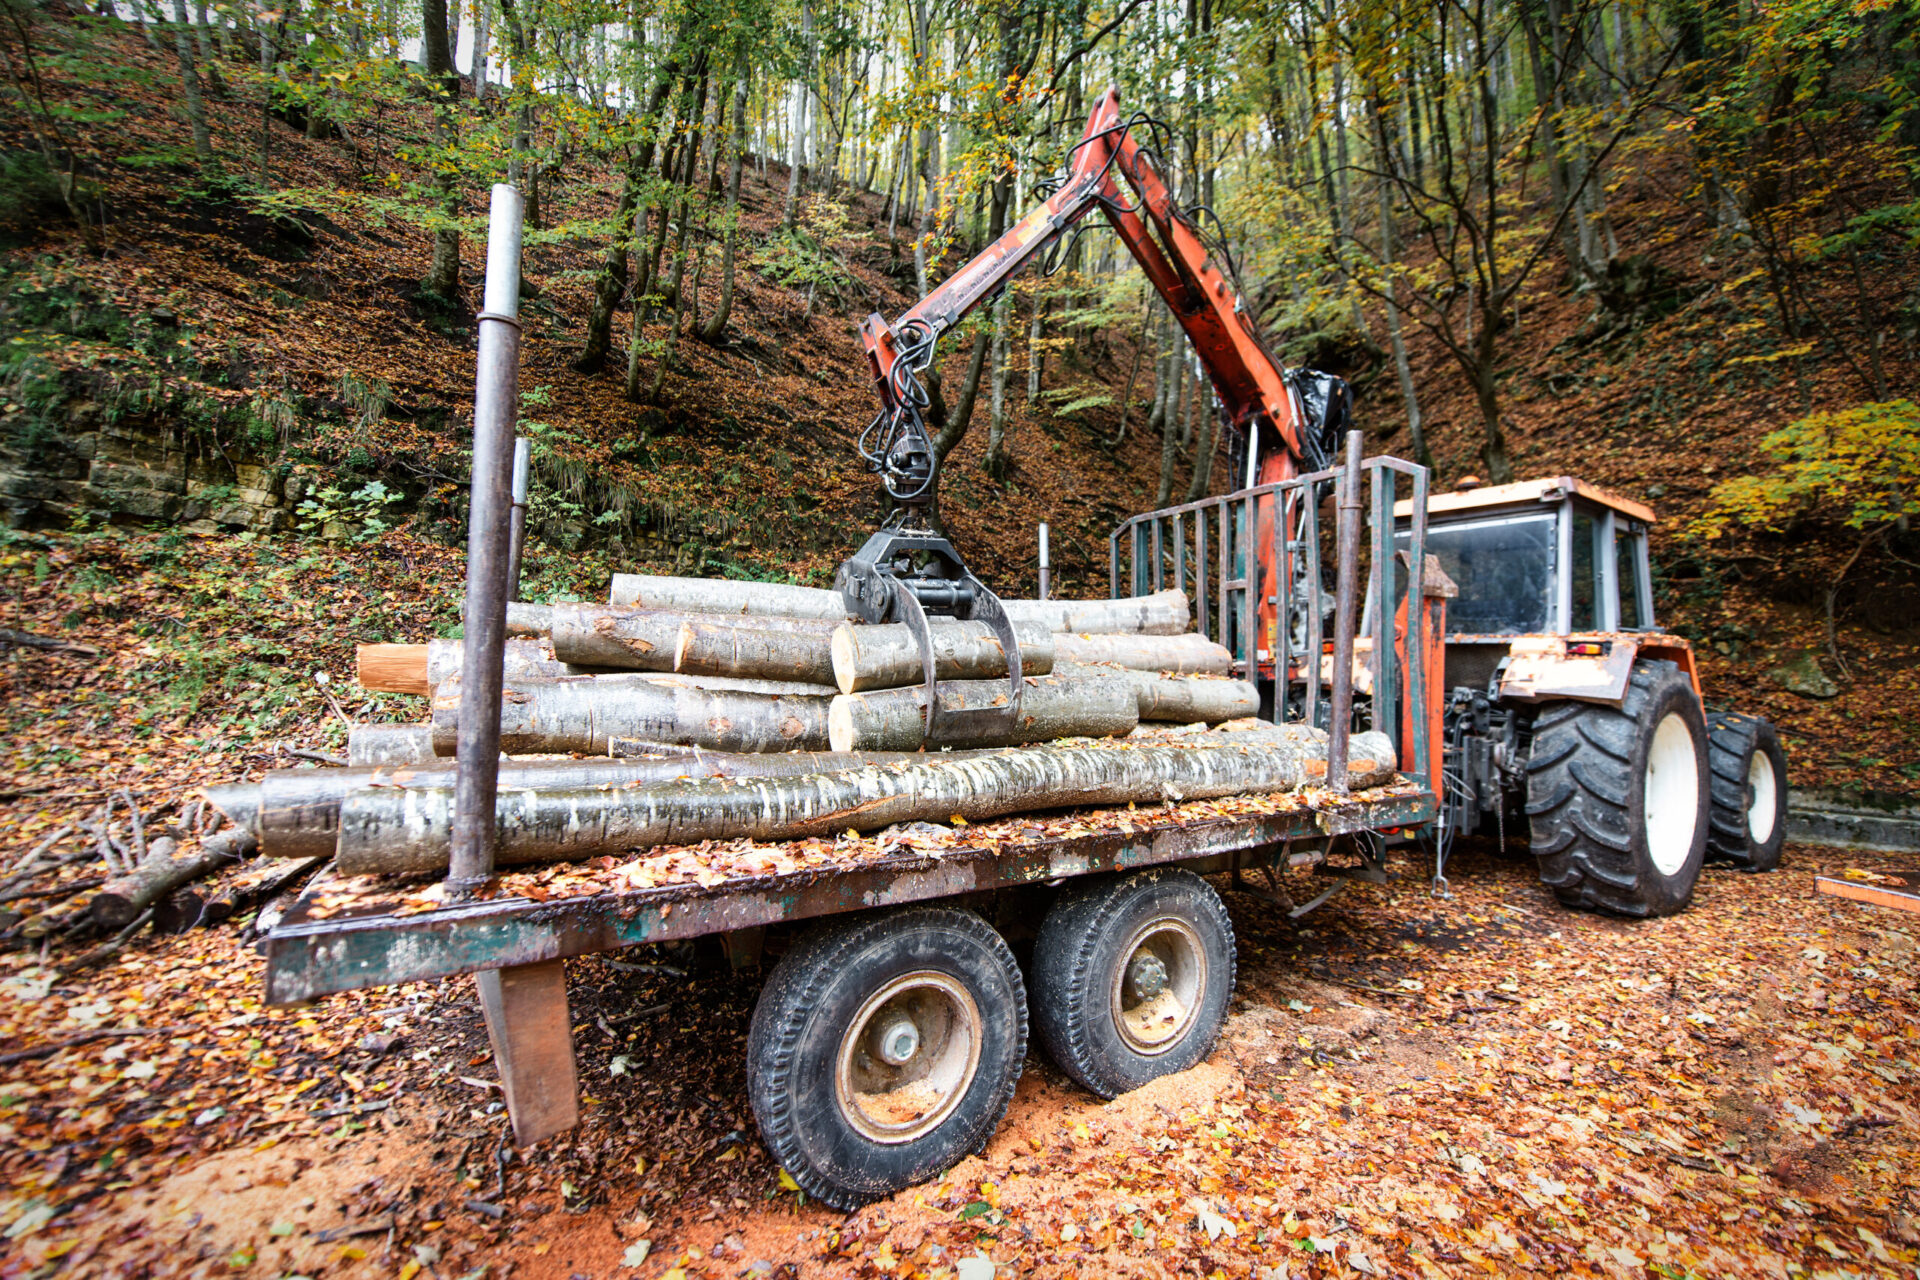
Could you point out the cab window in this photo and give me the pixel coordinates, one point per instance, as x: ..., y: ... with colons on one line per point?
x: 1626, y: 550
x: 1587, y: 562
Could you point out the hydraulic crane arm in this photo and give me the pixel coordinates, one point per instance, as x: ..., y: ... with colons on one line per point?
x: 1166, y: 242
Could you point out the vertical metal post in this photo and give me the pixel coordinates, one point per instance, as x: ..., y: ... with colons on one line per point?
x: 496, y: 394
x: 1282, y: 602
x: 1044, y: 567
x: 1250, y: 586
x: 517, y: 521
x: 1200, y: 572
x: 1347, y: 569
x: 1316, y: 620
x: 1386, y: 678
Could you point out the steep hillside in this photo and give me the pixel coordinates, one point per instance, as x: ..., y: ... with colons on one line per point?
x: 238, y: 361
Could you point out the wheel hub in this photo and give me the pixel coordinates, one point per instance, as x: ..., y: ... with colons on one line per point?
x: 1146, y: 975
x: 898, y: 1041
x: 908, y: 1056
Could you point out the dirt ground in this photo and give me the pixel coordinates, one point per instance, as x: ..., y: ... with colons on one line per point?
x: 1406, y: 1085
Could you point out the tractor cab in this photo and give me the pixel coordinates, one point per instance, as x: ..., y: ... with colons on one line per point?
x: 1548, y: 571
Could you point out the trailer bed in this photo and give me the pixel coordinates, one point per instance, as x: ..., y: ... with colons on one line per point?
x: 375, y: 931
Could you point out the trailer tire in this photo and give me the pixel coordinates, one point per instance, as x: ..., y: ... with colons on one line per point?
x: 1103, y: 941
x: 1617, y: 797
x: 885, y: 1048
x: 1748, y: 780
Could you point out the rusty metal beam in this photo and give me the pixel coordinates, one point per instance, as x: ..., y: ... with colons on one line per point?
x: 310, y: 958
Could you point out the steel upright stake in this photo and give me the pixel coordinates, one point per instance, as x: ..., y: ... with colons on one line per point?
x: 1347, y: 544
x: 517, y: 522
x: 1043, y: 560
x: 496, y: 394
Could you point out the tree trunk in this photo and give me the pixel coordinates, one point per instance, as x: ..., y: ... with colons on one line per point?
x: 1050, y: 707
x: 584, y: 715
x: 802, y: 93
x: 887, y: 657
x: 383, y: 831
x: 955, y: 426
x: 295, y: 813
x: 190, y: 88
x: 1189, y: 654
x: 443, y: 275
x: 1203, y: 449
x: 530, y: 619
x: 995, y: 462
x: 716, y: 326
x: 723, y: 648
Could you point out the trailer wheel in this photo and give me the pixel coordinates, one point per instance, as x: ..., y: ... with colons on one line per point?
x: 1617, y: 797
x: 1748, y: 781
x: 1131, y: 977
x: 884, y: 1049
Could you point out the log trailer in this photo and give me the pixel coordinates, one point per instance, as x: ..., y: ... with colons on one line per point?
x: 890, y: 1033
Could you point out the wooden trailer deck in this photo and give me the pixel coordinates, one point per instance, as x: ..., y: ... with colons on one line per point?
x: 376, y: 931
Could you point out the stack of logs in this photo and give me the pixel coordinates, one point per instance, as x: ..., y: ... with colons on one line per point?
x: 737, y: 709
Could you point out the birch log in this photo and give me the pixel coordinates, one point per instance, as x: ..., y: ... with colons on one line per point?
x: 725, y: 595
x: 1183, y: 699
x: 417, y: 668
x: 370, y: 744
x: 583, y: 714
x: 1189, y: 654
x: 529, y: 619
x: 408, y: 831
x: 727, y: 648
x: 1050, y: 707
x: 1164, y: 613
x: 617, y: 637
x: 888, y: 657
x: 295, y: 813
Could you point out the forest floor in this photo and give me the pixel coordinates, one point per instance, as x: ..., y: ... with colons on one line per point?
x: 1406, y: 1086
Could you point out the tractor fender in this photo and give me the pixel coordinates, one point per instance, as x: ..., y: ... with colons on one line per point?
x: 1586, y: 668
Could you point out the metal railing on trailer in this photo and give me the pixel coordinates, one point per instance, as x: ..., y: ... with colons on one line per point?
x: 1236, y: 595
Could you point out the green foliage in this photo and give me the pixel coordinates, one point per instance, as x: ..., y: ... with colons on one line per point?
x: 364, y: 511
x: 803, y: 258
x: 1860, y: 466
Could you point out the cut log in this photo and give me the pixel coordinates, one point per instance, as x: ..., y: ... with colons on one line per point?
x: 1050, y: 707
x: 529, y: 619
x: 1165, y: 613
x: 521, y: 656
x: 888, y: 657
x: 392, y: 668
x: 725, y: 648
x: 371, y: 744
x: 156, y: 879
x: 584, y: 714
x: 725, y: 595
x: 1186, y: 655
x: 1180, y: 699
x: 384, y: 831
x: 620, y: 637
x: 295, y: 813
x: 259, y: 884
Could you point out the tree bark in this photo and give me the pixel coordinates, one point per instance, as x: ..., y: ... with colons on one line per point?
x: 1189, y: 654
x: 716, y: 326
x: 1165, y: 613
x: 259, y: 884
x: 583, y: 715
x: 295, y: 813
x: 369, y: 744
x: 1050, y: 707
x: 190, y: 87
x: 385, y: 831
x: 627, y: 638
x: 1188, y: 699
x: 531, y: 619
x: 436, y: 49
x: 888, y: 657
x: 724, y: 595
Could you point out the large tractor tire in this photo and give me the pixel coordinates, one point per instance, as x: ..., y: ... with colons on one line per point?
x: 1617, y: 798
x: 1748, y: 780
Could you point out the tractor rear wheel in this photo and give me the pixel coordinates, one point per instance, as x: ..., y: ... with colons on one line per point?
x: 1748, y: 778
x: 1617, y: 798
